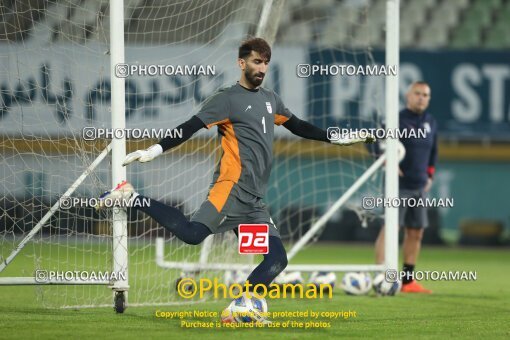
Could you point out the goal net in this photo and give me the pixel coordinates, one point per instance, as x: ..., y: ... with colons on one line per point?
x: 55, y: 82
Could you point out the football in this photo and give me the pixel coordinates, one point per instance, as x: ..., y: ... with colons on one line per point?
x: 248, y: 309
x: 356, y: 283
x: 400, y: 147
x: 385, y: 288
x: 318, y: 278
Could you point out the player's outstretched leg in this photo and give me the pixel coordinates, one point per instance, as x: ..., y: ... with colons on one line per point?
x: 273, y: 264
x: 169, y: 217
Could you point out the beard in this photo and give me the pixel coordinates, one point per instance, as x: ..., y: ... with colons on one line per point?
x: 252, y: 78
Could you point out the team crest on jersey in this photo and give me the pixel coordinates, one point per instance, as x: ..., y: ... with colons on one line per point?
x: 426, y: 126
x: 269, y: 108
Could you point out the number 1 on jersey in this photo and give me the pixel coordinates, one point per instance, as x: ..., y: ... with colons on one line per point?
x: 264, y: 123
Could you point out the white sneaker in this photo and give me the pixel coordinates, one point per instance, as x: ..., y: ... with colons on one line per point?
x: 123, y: 193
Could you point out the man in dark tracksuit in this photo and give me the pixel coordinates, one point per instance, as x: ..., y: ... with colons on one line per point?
x: 416, y: 174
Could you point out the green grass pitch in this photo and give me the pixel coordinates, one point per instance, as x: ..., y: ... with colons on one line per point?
x: 467, y: 309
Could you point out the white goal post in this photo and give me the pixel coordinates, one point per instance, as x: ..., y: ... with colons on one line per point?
x: 392, y: 108
x: 119, y: 215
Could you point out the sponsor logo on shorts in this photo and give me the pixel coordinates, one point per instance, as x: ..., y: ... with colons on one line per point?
x: 253, y: 238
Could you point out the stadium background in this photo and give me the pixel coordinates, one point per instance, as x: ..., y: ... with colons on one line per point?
x: 47, y: 49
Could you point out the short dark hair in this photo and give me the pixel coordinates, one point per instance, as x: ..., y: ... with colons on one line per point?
x: 255, y: 44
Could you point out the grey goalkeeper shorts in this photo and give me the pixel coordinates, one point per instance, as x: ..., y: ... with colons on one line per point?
x: 413, y: 217
x: 228, y: 205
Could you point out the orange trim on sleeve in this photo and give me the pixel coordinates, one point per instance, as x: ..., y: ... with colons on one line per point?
x: 217, y: 123
x: 280, y: 119
x: 230, y: 167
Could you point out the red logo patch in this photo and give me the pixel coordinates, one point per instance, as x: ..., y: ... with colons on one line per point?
x: 253, y: 238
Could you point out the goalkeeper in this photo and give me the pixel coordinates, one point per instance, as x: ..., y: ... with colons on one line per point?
x: 245, y: 115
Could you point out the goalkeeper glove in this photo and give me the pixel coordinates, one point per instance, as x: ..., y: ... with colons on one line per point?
x: 143, y: 155
x: 353, y: 138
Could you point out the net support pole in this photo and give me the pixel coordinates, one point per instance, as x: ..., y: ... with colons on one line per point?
x: 392, y: 98
x: 270, y: 20
x: 119, y: 215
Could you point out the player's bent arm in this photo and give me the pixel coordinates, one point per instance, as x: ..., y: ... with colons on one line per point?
x: 188, y: 129
x: 306, y: 130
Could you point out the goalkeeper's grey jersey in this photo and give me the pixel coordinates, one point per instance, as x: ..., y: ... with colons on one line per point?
x: 245, y: 120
